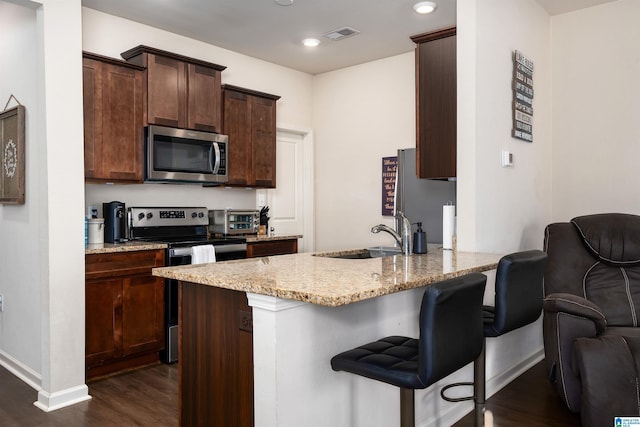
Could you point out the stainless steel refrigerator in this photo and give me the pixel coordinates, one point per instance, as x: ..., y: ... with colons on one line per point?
x: 421, y: 200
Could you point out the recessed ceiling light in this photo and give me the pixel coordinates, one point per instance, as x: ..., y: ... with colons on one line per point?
x: 425, y: 7
x: 311, y: 42
x: 284, y: 2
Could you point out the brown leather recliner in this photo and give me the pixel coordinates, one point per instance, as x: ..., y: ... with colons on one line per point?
x: 591, y: 315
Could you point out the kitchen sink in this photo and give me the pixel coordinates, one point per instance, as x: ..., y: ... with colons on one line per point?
x: 374, y: 252
x: 380, y: 251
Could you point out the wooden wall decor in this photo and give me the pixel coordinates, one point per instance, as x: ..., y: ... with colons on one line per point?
x: 522, y: 97
x: 12, y: 158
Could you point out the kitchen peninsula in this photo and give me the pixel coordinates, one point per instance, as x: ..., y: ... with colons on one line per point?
x: 256, y: 335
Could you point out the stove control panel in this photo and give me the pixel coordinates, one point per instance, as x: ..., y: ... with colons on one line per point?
x: 167, y: 217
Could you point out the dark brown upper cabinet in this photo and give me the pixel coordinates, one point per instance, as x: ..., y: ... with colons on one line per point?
x: 436, y: 108
x: 250, y: 121
x: 179, y: 91
x: 112, y: 107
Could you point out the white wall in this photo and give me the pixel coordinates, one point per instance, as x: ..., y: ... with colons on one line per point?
x: 45, y: 269
x: 360, y: 114
x: 512, y: 205
x: 20, y: 225
x: 109, y: 35
x: 596, y: 110
x: 500, y: 209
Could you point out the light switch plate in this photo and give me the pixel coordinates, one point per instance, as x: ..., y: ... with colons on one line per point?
x: 507, y: 159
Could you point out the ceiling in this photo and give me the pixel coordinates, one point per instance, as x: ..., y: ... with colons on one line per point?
x: 268, y: 31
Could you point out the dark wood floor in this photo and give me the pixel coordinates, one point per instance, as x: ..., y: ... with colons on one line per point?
x: 148, y: 397
x: 529, y: 400
x: 145, y: 397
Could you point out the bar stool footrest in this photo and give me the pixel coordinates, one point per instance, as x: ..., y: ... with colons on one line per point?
x: 455, y: 399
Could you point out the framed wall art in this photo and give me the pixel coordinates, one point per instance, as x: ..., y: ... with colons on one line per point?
x: 12, y: 159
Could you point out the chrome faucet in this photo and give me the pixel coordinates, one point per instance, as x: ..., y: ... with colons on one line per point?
x: 402, y: 235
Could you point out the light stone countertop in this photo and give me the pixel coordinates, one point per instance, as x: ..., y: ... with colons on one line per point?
x: 108, y: 248
x: 258, y: 238
x: 327, y: 281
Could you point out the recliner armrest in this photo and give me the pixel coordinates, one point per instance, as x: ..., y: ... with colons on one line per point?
x: 575, y: 305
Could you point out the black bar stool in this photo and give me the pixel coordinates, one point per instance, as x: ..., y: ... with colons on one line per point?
x: 450, y: 338
x: 518, y: 302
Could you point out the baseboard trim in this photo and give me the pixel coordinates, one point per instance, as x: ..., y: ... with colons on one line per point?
x: 457, y: 411
x: 51, y: 401
x: 23, y: 372
x: 46, y: 401
x: 498, y: 382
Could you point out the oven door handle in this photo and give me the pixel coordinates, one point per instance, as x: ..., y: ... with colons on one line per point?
x: 225, y: 249
x: 178, y: 252
x: 219, y: 249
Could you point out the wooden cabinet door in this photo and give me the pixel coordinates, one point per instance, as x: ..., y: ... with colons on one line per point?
x: 124, y: 311
x: 122, y: 134
x: 249, y: 118
x: 181, y: 92
x: 237, y: 125
x: 142, y: 314
x: 166, y: 91
x: 263, y: 139
x: 113, y: 135
x: 103, y: 324
x: 91, y: 93
x: 436, y: 91
x: 204, y: 98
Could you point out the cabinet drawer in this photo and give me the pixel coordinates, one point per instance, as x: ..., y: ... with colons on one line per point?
x: 276, y: 247
x: 122, y: 263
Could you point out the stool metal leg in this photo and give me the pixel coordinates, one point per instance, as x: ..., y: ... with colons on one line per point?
x: 479, y: 386
x: 407, y: 408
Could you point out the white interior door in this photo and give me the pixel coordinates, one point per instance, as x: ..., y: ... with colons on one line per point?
x: 291, y: 202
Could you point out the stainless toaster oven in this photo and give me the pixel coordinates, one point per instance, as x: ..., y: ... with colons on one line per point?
x: 234, y: 221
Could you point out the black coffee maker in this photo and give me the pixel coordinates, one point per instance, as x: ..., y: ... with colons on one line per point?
x: 115, y: 222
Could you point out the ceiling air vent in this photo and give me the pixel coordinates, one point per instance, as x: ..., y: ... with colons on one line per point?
x: 341, y: 33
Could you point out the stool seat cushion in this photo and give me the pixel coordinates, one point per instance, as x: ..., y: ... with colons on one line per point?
x: 393, y: 360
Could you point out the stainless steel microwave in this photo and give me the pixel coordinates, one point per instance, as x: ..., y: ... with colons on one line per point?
x: 182, y: 155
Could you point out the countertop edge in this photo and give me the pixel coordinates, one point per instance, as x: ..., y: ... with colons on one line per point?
x: 316, y: 296
x: 112, y: 248
x: 258, y: 239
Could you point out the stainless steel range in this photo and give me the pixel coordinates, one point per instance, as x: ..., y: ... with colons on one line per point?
x: 181, y: 228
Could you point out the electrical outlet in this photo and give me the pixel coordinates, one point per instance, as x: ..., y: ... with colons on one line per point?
x: 1, y: 302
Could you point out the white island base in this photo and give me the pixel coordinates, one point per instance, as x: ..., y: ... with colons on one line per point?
x: 294, y: 385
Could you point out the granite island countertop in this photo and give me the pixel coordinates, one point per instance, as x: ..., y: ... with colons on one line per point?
x: 320, y: 279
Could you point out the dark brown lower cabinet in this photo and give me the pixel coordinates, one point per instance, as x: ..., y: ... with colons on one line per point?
x: 124, y: 307
x: 215, y: 357
x: 272, y: 247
